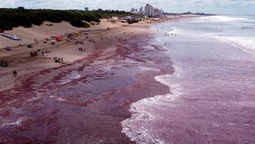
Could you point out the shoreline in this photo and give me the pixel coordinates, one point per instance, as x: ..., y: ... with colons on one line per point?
x: 105, y: 79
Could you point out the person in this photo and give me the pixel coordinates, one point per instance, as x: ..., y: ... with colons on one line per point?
x: 42, y: 53
x: 14, y: 72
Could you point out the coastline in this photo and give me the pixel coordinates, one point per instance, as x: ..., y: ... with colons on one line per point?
x: 211, y: 87
x: 113, y: 72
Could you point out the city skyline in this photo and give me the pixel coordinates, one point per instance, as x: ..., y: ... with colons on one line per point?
x: 173, y: 6
x: 147, y: 10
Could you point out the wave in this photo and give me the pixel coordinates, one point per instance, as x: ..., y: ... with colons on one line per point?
x: 143, y: 126
x: 225, y: 19
x: 246, y: 44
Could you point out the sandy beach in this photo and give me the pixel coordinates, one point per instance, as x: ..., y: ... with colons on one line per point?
x: 19, y: 56
x: 125, y: 72
x: 84, y: 98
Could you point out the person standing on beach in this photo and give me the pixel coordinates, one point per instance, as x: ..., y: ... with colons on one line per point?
x: 14, y: 73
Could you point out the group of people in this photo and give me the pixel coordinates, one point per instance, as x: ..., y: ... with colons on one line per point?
x: 58, y: 60
x: 3, y: 63
x: 33, y: 53
x: 78, y: 42
x: 92, y: 40
x: 82, y: 49
x: 168, y: 34
x: 70, y: 36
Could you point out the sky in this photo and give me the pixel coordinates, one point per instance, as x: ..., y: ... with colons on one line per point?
x: 171, y: 6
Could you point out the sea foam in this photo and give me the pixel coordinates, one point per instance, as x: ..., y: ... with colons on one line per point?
x: 142, y: 127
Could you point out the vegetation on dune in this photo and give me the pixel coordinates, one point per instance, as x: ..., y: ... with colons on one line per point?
x: 113, y: 13
x: 10, y: 18
x: 131, y: 21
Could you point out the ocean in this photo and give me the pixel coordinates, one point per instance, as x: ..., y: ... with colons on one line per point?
x: 211, y: 95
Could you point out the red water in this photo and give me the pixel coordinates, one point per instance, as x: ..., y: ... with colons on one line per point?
x: 83, y: 102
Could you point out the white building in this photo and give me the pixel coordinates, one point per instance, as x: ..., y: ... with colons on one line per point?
x: 148, y: 10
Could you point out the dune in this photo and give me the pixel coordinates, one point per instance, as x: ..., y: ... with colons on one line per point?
x: 27, y: 35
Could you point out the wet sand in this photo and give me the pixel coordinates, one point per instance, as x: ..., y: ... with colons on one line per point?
x: 85, y: 98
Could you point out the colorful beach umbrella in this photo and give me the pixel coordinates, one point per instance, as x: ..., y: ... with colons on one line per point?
x: 59, y: 38
x: 7, y: 47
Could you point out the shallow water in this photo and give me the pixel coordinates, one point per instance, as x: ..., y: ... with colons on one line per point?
x: 211, y: 97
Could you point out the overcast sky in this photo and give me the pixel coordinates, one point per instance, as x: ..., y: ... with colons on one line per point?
x: 175, y: 6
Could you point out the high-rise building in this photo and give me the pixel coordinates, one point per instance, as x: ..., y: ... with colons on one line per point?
x: 157, y: 12
x: 141, y: 10
x: 151, y: 12
x: 86, y: 8
x: 133, y: 10
x: 148, y: 10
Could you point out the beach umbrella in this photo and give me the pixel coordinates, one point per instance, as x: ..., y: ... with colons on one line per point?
x: 7, y: 47
x: 58, y: 38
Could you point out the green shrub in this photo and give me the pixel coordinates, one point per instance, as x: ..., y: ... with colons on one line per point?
x: 86, y: 25
x: 113, y: 21
x: 10, y: 18
x: 77, y: 22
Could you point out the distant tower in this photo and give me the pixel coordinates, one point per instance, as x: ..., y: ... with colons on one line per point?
x: 132, y: 10
x: 141, y: 10
x: 86, y: 8
x: 148, y: 10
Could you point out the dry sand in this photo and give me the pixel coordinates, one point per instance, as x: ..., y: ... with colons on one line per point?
x: 27, y: 35
x: 67, y: 50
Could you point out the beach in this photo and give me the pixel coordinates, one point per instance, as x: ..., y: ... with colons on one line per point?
x: 189, y: 80
x: 84, y: 97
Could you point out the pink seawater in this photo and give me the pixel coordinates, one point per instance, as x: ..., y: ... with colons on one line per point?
x: 211, y: 97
